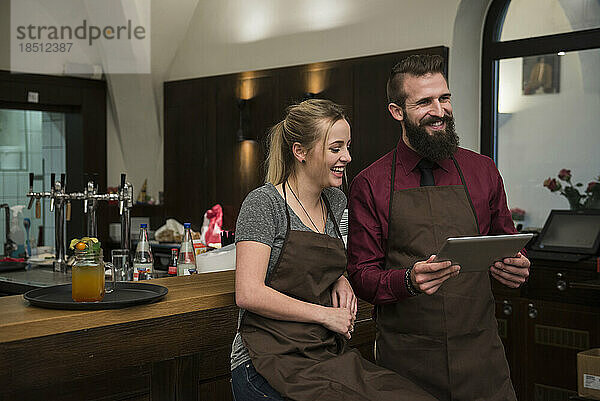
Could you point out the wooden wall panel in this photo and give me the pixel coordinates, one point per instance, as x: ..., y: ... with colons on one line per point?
x: 208, y: 108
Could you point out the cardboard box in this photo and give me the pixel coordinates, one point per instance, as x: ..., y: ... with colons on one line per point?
x: 588, y: 373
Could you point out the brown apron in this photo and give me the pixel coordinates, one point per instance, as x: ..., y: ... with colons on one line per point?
x: 304, y: 361
x: 448, y: 342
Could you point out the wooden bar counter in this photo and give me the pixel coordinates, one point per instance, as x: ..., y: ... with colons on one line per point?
x: 175, y: 349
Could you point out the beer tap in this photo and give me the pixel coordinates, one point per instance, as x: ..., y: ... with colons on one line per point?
x: 52, y: 184
x: 90, y: 205
x: 60, y: 244
x: 60, y: 199
x: 125, y: 204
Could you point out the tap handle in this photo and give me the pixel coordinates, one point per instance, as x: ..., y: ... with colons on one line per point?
x: 68, y: 211
x: 31, y: 198
x: 30, y: 182
x: 38, y: 209
x: 52, y: 181
x: 123, y: 181
x: 62, y: 181
x: 94, y: 177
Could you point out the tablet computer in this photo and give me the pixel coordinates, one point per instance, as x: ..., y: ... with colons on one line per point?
x: 475, y: 254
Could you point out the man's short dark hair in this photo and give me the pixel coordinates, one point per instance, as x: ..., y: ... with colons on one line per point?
x: 417, y: 65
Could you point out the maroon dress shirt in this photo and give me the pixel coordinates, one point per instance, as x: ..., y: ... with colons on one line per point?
x: 368, y: 206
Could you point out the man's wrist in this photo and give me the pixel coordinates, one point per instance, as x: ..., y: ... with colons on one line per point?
x: 412, y: 291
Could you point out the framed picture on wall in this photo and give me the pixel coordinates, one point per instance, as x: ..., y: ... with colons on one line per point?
x: 541, y: 74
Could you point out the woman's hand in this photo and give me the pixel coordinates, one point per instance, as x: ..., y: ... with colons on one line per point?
x: 342, y: 296
x: 339, y: 320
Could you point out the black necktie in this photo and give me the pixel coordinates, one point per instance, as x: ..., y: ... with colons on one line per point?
x: 426, y: 166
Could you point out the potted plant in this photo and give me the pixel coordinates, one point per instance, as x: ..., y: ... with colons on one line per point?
x: 589, y: 199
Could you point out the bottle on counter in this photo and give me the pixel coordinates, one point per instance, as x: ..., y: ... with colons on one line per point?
x: 186, y: 263
x: 143, y: 261
x: 173, y: 262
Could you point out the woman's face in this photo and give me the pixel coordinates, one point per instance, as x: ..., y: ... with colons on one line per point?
x: 326, y: 162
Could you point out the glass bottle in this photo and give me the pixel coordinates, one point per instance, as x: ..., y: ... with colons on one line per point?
x: 143, y: 261
x: 87, y: 276
x: 186, y: 263
x: 173, y: 262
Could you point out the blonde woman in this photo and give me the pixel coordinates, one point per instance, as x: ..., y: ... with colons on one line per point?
x: 297, y: 310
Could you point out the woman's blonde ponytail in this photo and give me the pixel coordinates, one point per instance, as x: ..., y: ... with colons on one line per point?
x: 275, y: 162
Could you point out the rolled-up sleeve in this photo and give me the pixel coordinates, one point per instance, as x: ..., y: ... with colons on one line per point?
x: 367, y: 237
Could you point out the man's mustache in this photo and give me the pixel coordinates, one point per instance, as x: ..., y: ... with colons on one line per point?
x: 433, y: 119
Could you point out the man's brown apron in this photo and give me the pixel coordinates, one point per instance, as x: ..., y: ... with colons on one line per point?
x: 448, y: 342
x: 305, y: 361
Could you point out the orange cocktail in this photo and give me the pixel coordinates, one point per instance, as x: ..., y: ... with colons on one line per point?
x: 87, y: 283
x: 87, y: 273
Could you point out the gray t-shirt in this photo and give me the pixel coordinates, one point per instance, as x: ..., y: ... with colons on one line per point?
x: 262, y: 219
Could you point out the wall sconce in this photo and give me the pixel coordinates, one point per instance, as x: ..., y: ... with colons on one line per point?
x: 316, y: 80
x: 242, y: 133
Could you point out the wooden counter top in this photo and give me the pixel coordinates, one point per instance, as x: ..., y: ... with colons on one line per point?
x: 177, y: 348
x: 19, y: 320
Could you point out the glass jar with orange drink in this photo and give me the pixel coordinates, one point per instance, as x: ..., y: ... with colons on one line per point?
x: 87, y: 272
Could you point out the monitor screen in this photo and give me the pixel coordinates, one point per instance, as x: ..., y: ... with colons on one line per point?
x: 569, y: 230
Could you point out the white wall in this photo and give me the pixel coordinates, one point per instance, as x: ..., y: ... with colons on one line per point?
x: 196, y: 38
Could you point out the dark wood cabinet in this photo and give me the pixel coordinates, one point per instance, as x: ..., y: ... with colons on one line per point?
x: 509, y: 314
x: 545, y: 324
x: 555, y: 333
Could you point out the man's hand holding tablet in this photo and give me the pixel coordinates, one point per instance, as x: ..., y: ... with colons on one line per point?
x: 499, y: 254
x: 512, y: 272
x: 427, y: 276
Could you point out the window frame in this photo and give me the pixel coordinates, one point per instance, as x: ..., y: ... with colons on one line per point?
x: 493, y: 50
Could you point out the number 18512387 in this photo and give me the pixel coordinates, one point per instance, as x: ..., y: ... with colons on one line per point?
x: 45, y: 47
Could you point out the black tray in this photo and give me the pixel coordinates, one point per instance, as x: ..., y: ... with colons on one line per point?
x: 126, y: 294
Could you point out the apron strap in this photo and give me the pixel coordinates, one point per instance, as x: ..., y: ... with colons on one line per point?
x: 462, y: 179
x: 287, y: 213
x: 387, y: 243
x: 330, y: 213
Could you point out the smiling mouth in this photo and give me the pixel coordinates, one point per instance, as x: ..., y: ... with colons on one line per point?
x: 437, y: 125
x: 338, y: 171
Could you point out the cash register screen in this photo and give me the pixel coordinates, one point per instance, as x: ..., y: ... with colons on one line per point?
x: 571, y: 231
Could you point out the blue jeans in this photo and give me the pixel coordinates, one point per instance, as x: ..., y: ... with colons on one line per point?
x: 248, y: 385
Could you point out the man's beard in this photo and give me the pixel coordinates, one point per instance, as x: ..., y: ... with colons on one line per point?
x: 438, y: 146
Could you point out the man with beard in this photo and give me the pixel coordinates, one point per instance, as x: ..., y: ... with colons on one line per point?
x: 435, y: 325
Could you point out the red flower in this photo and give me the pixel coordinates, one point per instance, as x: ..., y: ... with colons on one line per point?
x: 552, y: 184
x: 564, y: 174
x: 591, y: 186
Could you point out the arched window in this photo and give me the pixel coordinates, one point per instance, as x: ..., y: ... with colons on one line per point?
x: 541, y: 98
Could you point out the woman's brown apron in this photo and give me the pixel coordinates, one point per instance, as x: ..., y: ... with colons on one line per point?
x: 304, y: 361
x: 448, y: 342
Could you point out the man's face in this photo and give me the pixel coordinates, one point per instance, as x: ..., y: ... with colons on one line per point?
x: 427, y: 117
